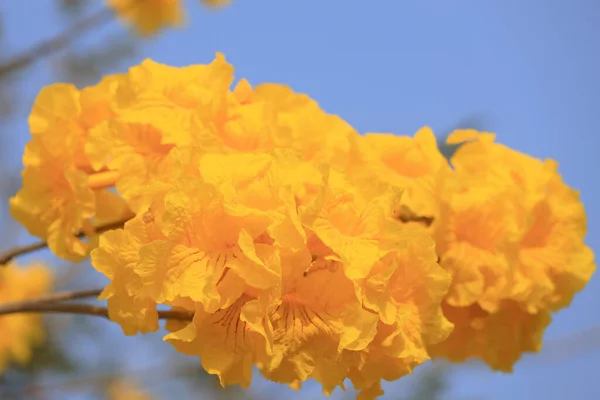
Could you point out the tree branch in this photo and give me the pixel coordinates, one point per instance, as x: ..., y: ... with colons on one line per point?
x: 406, y: 215
x: 78, y: 308
x: 64, y: 296
x: 53, y: 308
x: 57, y: 43
x: 7, y: 256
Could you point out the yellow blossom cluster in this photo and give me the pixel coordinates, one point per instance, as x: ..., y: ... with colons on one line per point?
x: 150, y: 16
x: 298, y: 245
x: 62, y: 195
x: 20, y: 332
x: 506, y: 227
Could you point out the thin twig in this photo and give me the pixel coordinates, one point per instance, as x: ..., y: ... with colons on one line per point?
x: 17, y: 251
x: 58, y: 42
x: 78, y: 308
x: 407, y: 215
x: 52, y: 308
x: 64, y: 296
x: 7, y: 256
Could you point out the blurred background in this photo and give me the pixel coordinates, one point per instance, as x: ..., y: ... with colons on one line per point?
x: 526, y: 70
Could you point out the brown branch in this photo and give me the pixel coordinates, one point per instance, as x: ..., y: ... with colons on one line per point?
x: 427, y: 221
x: 58, y: 42
x: 78, y: 308
x: 406, y: 215
x: 59, y: 308
x: 7, y: 256
x: 64, y: 296
x: 48, y: 300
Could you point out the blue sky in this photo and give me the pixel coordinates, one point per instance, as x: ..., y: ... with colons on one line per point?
x: 526, y: 70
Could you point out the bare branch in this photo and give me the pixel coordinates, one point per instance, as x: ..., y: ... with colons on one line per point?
x: 406, y: 215
x: 78, y: 308
x: 57, y: 43
x: 64, y: 296
x: 52, y: 308
x: 7, y: 256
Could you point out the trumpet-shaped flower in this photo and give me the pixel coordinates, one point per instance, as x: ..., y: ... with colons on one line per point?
x: 254, y: 262
x: 149, y: 16
x: 19, y: 333
x: 299, y: 123
x: 117, y: 256
x: 414, y: 164
x: 134, y: 153
x: 194, y: 106
x: 126, y: 390
x: 498, y: 338
x: 512, y: 234
x: 61, y: 194
x: 184, y: 104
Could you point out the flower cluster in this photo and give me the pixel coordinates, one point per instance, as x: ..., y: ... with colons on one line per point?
x: 298, y: 245
x: 506, y: 227
x: 512, y: 234
x: 62, y: 194
x: 20, y: 332
x: 150, y: 16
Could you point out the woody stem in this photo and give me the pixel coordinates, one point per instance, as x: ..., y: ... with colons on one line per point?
x: 57, y: 43
x: 65, y: 296
x: 32, y: 306
x: 7, y: 256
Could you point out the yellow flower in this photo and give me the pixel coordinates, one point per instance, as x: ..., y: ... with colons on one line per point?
x: 473, y: 236
x: 498, y: 338
x: 512, y: 234
x: 216, y: 3
x: 133, y: 152
x: 159, y: 108
x: 209, y: 223
x: 204, y: 256
x: 313, y: 325
x: 229, y: 341
x: 61, y: 194
x: 125, y: 390
x: 119, y: 133
x: 20, y: 332
x: 299, y: 123
x: 394, y: 273
x: 553, y: 261
x: 55, y: 205
x: 116, y: 257
x: 414, y: 164
x: 149, y: 16
x: 233, y: 244
x: 194, y: 106
x: 184, y: 104
x: 251, y: 203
